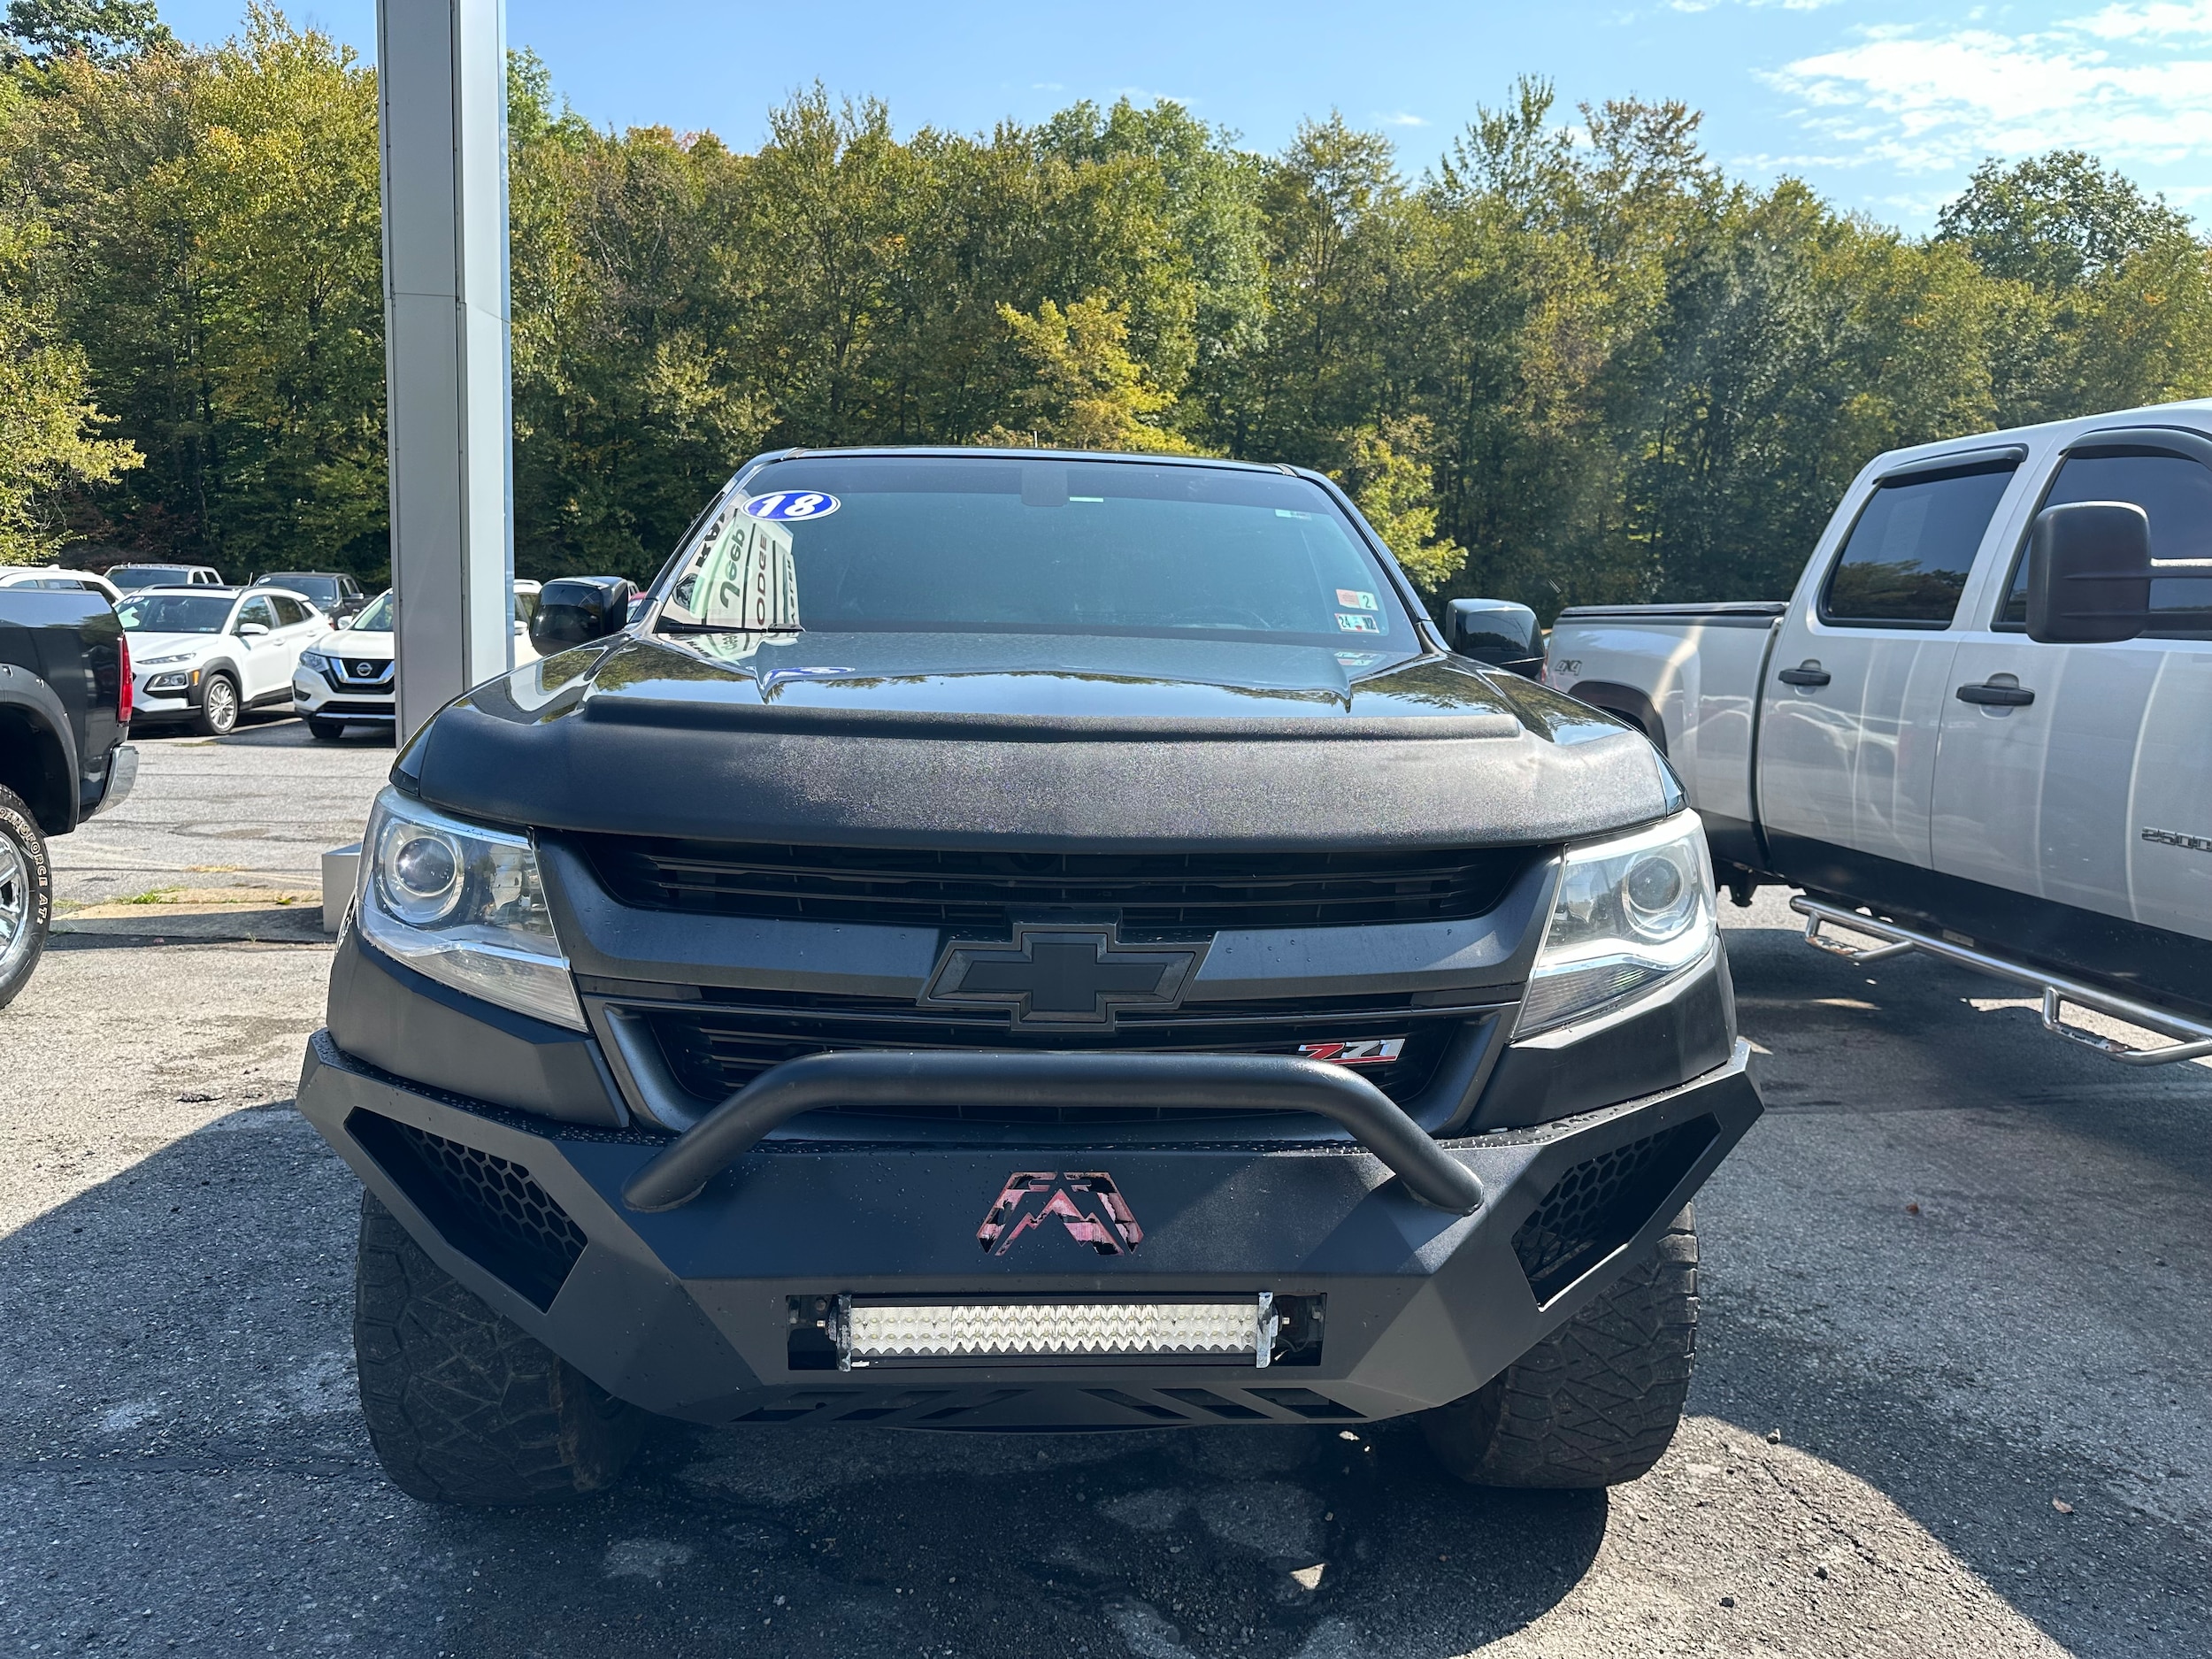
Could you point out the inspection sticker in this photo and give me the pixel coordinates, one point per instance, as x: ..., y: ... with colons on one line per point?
x: 1357, y: 622
x: 1352, y: 599
x: 791, y: 505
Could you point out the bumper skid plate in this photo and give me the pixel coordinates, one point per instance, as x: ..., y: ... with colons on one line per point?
x: 951, y: 1281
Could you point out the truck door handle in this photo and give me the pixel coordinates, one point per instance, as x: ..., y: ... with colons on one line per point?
x: 1996, y: 696
x: 1807, y: 673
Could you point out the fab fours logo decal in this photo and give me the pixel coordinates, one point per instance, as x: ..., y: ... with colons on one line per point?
x: 1086, y: 1204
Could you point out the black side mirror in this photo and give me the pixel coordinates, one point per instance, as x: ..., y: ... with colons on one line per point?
x: 2089, y: 573
x: 577, y: 609
x: 1497, y: 632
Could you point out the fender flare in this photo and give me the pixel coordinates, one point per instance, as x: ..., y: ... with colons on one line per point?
x: 1623, y: 702
x: 28, y: 700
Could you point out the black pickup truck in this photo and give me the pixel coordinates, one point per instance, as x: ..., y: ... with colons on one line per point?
x: 1019, y: 939
x: 65, y: 712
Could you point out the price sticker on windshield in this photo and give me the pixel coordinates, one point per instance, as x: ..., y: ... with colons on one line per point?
x: 790, y: 506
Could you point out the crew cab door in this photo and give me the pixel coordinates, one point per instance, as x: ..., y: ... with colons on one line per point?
x: 1856, y: 683
x: 2081, y: 774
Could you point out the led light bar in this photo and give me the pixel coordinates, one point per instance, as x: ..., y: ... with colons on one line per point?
x: 877, y: 1333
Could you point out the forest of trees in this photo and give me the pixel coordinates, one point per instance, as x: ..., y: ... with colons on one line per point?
x: 1574, y: 361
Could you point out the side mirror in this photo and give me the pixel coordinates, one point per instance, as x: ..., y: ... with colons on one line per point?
x: 252, y: 630
x: 577, y: 609
x: 1497, y: 632
x: 2089, y: 573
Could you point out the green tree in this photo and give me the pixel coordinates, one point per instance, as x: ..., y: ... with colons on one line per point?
x: 2055, y: 220
x: 102, y: 30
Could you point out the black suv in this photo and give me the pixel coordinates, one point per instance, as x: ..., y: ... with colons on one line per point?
x: 1024, y: 939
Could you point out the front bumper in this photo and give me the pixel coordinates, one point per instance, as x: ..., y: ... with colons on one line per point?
x: 708, y: 1312
x: 330, y: 696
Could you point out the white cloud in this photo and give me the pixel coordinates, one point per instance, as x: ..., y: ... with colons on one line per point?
x: 1755, y: 5
x: 2118, y: 83
x: 1403, y: 120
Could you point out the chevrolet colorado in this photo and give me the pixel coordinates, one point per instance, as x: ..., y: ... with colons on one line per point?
x: 1024, y: 939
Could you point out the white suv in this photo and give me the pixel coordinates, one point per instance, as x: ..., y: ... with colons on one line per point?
x: 205, y: 654
x: 345, y: 678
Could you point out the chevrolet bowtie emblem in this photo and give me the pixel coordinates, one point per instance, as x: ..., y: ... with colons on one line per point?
x: 1061, y: 974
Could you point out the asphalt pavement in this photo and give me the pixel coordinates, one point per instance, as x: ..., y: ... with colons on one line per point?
x: 1951, y: 1397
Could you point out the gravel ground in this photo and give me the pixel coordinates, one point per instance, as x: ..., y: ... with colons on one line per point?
x: 1958, y: 1268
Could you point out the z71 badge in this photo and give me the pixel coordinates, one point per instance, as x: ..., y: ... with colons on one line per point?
x: 1364, y: 1051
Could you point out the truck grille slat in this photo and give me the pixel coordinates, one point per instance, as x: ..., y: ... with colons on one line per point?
x: 1148, y: 891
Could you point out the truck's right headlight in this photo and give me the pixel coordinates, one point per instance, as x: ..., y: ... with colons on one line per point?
x: 1629, y: 914
x: 461, y: 903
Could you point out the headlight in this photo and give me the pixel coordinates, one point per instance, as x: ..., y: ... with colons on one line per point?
x: 315, y: 660
x: 168, y: 682
x: 1629, y: 914
x: 463, y: 904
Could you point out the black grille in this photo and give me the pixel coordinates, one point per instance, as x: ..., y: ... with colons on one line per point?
x: 1152, y: 894
x: 1601, y: 1204
x: 487, y: 1207
x: 717, y: 1049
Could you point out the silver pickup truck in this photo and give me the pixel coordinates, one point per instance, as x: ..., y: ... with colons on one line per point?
x: 1981, y: 728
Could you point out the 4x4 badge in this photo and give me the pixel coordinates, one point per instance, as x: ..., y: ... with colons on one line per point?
x: 1062, y: 974
x: 1032, y: 1195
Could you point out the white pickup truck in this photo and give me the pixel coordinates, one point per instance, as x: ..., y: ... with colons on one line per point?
x: 1981, y: 728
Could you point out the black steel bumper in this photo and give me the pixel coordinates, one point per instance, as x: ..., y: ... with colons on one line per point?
x: 706, y: 1311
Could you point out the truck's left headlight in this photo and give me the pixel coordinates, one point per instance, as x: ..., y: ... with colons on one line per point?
x: 461, y: 903
x: 1629, y: 913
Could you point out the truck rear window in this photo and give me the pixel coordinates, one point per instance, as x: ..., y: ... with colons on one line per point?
x: 1906, y: 561
x: 975, y: 543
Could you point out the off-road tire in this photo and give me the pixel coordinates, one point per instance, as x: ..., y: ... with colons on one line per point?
x: 463, y: 1405
x: 325, y: 731
x: 26, y: 894
x: 217, y: 713
x: 1596, y: 1403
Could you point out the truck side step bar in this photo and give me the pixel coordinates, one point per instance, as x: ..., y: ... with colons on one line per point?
x: 2192, y: 1038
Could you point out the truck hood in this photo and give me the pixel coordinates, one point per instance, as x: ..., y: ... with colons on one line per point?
x: 1031, y: 740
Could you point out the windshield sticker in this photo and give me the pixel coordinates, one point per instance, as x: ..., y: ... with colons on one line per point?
x: 1352, y: 599
x: 791, y: 505
x: 1284, y: 512
x: 1358, y: 622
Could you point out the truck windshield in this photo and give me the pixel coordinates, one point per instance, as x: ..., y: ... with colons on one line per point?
x: 979, y: 543
x: 322, y: 589
x: 174, y: 613
x: 129, y: 576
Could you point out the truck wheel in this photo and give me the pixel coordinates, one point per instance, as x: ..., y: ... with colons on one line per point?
x: 218, y: 707
x: 1596, y: 1403
x: 26, y: 894
x: 325, y: 731
x: 463, y: 1406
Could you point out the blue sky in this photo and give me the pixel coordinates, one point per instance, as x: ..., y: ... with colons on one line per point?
x: 1883, y: 107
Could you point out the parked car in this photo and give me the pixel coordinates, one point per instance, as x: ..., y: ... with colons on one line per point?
x: 132, y: 577
x: 65, y: 716
x: 1112, y: 965
x: 337, y: 596
x: 54, y: 578
x: 1944, y: 750
x: 205, y: 654
x: 346, y: 677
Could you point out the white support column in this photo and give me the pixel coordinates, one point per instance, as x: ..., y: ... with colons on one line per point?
x: 442, y: 80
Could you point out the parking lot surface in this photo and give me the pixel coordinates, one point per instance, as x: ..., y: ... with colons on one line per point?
x: 1951, y: 1398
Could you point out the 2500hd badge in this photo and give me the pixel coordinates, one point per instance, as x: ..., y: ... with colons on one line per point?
x: 1015, y: 840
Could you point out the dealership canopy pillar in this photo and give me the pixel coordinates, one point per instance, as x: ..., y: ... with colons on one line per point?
x: 441, y: 79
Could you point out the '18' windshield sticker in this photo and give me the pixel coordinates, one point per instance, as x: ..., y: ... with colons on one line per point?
x: 1352, y: 599
x: 1358, y: 622
x: 791, y: 505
